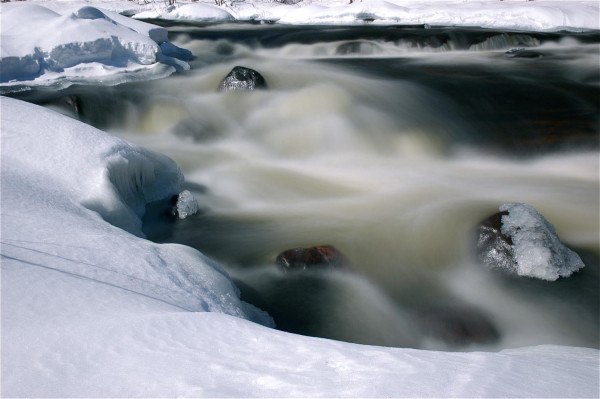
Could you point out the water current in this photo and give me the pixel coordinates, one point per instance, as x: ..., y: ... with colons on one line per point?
x: 391, y: 144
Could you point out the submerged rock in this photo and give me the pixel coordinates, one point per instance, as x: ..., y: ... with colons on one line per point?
x: 322, y: 256
x: 362, y: 47
x: 457, y: 326
x: 242, y: 78
x: 523, y: 53
x: 518, y: 240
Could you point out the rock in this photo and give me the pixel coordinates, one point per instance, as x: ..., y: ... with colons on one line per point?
x: 495, y: 249
x: 322, y: 256
x: 522, y: 53
x: 242, y: 78
x: 518, y: 240
x: 457, y: 325
x: 362, y: 47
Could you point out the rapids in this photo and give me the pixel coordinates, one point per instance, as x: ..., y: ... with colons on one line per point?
x: 390, y: 143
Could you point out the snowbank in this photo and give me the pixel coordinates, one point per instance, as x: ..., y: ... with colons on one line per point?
x: 91, y: 309
x: 40, y: 45
x: 72, y: 200
x: 541, y: 15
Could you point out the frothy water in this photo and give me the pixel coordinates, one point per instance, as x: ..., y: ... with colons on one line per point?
x: 390, y: 145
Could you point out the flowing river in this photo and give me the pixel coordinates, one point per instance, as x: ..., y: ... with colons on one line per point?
x: 391, y: 144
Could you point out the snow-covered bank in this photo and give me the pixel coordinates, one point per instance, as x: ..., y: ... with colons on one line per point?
x: 522, y: 15
x: 90, y: 309
x: 41, y: 46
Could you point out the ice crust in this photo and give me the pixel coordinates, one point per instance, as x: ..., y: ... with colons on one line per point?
x: 538, y: 252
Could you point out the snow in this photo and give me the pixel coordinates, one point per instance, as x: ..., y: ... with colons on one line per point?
x: 194, y: 12
x: 541, y: 15
x: 92, y: 309
x: 538, y: 251
x: 40, y: 46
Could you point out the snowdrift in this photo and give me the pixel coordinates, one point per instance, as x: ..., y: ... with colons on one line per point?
x: 40, y: 46
x: 90, y: 308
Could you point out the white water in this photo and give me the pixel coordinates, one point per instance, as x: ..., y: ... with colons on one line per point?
x: 383, y: 169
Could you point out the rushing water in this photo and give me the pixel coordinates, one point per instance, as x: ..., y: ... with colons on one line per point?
x: 390, y: 143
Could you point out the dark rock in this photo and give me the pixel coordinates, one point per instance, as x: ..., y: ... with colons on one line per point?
x: 322, y: 256
x: 242, y: 78
x: 457, y: 325
x: 358, y: 47
x: 493, y: 248
x: 522, y: 53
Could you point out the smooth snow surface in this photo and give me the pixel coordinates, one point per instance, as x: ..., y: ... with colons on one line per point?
x: 538, y: 251
x: 40, y: 46
x: 91, y: 310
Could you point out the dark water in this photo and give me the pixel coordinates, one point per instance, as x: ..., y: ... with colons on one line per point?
x: 390, y: 143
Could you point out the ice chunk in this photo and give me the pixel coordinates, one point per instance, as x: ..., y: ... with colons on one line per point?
x: 538, y: 252
x: 186, y: 204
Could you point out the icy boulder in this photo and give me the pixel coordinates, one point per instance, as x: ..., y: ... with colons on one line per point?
x: 38, y: 43
x: 186, y: 205
x: 519, y: 240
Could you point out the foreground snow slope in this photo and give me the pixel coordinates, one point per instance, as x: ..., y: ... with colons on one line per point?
x: 90, y: 309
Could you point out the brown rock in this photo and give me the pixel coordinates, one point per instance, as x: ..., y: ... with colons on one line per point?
x: 322, y: 256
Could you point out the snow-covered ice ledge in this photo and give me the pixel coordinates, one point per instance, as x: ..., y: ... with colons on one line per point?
x: 81, y: 44
x: 92, y: 309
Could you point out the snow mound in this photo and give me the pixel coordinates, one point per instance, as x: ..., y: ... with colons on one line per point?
x: 41, y: 45
x: 62, y: 181
x: 538, y: 251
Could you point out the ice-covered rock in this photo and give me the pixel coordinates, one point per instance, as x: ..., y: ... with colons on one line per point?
x: 519, y: 240
x: 186, y: 205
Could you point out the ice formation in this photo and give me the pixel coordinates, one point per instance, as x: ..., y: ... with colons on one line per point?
x: 186, y: 204
x: 538, y: 252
